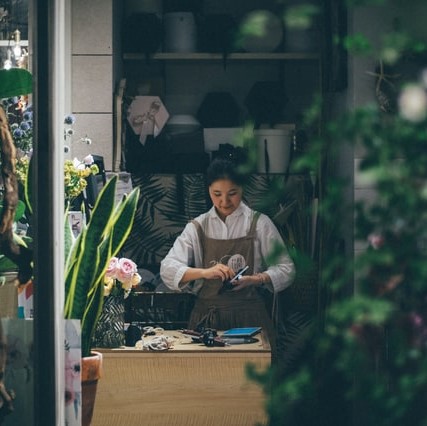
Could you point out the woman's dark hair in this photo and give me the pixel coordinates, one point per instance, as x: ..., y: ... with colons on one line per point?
x: 223, y: 168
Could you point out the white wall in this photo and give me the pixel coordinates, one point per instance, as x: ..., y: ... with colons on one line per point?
x: 92, y: 73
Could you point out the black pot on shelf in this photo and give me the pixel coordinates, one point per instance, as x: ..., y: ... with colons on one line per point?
x: 217, y: 33
x: 219, y: 109
x: 265, y: 102
x: 142, y: 33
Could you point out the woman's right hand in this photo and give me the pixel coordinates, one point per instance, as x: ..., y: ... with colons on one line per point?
x: 218, y: 271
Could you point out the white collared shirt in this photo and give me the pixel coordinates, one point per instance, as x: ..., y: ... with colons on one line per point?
x: 186, y: 250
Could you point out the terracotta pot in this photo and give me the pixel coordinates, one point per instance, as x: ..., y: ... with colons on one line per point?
x: 90, y: 374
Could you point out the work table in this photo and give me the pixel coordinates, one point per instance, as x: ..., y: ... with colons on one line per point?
x: 189, y: 384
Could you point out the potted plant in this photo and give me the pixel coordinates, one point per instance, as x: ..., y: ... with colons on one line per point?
x: 87, y: 259
x: 87, y: 256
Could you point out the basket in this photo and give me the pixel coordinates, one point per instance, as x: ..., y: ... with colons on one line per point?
x: 170, y: 311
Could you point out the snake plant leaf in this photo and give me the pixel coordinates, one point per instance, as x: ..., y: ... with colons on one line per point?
x: 89, y: 255
x: 80, y: 279
x: 120, y: 229
x: 91, y: 315
x: 28, y: 187
x: 15, y: 82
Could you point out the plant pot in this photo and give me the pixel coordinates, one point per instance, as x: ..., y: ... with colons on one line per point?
x: 90, y: 374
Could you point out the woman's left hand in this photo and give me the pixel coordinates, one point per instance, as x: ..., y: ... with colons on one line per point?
x: 246, y: 281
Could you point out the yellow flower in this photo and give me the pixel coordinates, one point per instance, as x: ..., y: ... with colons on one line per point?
x: 22, y: 164
x: 75, y: 175
x: 108, y: 285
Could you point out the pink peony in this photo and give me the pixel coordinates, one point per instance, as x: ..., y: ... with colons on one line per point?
x: 121, y: 273
x: 112, y: 268
x: 125, y: 270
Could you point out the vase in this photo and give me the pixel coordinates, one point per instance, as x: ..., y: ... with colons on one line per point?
x: 110, y: 330
x: 90, y: 374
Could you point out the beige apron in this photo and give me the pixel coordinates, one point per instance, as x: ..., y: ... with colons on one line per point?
x: 244, y: 308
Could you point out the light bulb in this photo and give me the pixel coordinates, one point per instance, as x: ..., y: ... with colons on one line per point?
x: 7, y: 64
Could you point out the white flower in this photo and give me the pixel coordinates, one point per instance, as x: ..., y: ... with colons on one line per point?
x: 78, y: 164
x: 413, y: 103
x: 88, y: 160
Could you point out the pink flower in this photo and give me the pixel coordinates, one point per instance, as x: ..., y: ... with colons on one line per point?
x: 112, y: 268
x: 376, y: 240
x: 121, y: 274
x: 125, y: 270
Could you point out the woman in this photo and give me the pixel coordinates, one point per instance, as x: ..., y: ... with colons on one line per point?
x: 218, y: 243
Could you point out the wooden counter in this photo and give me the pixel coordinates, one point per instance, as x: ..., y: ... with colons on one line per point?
x: 190, y: 385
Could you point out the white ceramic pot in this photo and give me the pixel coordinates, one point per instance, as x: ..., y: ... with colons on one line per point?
x: 180, y: 32
x: 274, y: 149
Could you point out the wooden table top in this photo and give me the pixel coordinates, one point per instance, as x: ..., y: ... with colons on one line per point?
x: 180, y: 343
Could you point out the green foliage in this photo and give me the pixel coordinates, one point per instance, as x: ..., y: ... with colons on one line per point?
x: 15, y: 82
x: 358, y: 44
x: 5, y: 263
x: 88, y: 256
x: 301, y: 16
x: 365, y: 360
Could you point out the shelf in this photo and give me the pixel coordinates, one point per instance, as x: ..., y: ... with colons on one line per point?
x: 11, y: 43
x: 177, y: 56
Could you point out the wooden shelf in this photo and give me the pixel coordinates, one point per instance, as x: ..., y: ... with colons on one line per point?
x: 199, y: 56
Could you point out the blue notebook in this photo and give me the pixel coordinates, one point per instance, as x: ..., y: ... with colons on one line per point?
x: 241, y: 332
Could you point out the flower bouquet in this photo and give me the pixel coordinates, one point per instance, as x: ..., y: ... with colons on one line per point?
x: 121, y: 276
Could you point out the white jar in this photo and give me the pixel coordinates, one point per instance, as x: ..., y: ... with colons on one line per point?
x: 274, y: 149
x: 180, y: 32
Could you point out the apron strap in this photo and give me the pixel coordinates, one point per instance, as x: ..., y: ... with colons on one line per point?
x: 252, y: 229
x: 200, y: 233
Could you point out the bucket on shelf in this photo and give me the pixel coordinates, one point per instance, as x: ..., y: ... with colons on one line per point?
x: 274, y: 149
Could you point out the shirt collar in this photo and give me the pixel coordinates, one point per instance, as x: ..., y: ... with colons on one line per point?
x: 242, y: 209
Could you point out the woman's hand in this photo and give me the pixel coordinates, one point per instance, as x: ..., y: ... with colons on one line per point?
x: 247, y: 281
x: 218, y: 271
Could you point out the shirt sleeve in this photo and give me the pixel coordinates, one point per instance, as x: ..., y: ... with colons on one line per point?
x: 269, y: 241
x: 185, y: 252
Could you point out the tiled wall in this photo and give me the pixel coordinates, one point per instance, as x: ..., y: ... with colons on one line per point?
x: 92, y: 77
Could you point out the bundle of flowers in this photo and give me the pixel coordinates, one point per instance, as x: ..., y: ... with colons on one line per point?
x: 20, y: 118
x: 121, y: 276
x: 75, y: 174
